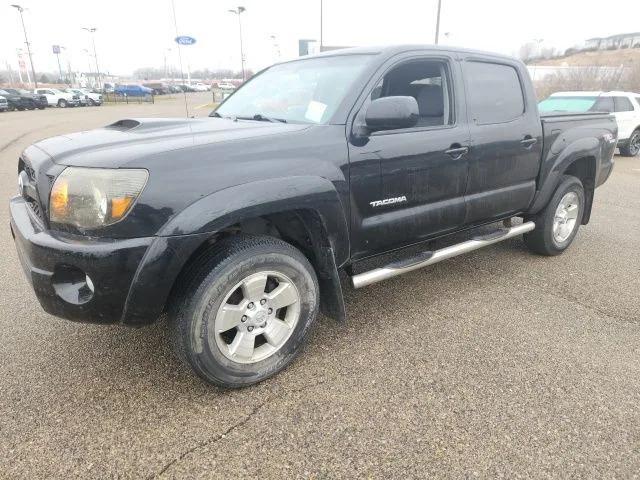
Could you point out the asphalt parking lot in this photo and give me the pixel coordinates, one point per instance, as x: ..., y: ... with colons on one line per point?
x: 494, y: 364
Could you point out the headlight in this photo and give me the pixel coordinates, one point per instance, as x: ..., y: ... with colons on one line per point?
x: 94, y: 197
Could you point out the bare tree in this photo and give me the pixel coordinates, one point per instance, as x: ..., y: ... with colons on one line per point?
x: 527, y: 51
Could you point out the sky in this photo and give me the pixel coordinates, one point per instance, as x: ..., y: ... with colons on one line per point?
x: 140, y: 33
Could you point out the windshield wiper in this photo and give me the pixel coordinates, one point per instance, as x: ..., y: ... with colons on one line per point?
x: 263, y: 118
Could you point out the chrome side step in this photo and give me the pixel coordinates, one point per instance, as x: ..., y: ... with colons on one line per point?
x: 429, y: 258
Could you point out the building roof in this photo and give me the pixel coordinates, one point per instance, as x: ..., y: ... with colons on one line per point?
x: 616, y: 36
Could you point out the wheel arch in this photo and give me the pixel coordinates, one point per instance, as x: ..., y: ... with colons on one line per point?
x: 580, y: 159
x: 310, y: 217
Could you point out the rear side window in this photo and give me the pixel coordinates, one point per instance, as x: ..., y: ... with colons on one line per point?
x: 622, y: 104
x: 494, y: 93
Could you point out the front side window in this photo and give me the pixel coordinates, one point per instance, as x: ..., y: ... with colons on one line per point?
x: 303, y: 91
x: 622, y: 104
x: 425, y: 80
x: 603, y: 104
x: 494, y: 93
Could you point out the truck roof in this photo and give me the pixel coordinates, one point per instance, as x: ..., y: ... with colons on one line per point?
x: 390, y: 50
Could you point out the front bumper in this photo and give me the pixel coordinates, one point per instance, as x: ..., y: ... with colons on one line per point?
x: 74, y: 277
x: 85, y: 279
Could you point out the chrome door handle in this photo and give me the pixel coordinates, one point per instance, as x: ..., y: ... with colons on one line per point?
x: 528, y: 141
x: 457, y: 152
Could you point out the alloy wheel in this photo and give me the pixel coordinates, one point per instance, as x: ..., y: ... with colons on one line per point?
x: 566, y: 216
x: 257, y: 317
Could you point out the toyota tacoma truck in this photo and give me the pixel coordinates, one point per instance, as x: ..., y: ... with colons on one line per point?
x: 238, y: 225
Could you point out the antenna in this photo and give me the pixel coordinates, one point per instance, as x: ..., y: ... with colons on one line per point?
x: 175, y: 23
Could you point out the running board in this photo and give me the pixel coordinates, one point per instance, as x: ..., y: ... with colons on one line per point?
x: 429, y: 258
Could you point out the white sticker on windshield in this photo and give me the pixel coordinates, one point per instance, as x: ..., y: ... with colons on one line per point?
x: 315, y: 111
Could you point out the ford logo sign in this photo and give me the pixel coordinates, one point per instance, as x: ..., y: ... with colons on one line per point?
x: 184, y: 40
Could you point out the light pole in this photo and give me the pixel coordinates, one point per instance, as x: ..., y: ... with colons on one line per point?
x: 26, y: 41
x: 320, y: 25
x: 238, y: 11
x: 438, y: 21
x: 88, y: 63
x: 69, y: 76
x: 92, y: 31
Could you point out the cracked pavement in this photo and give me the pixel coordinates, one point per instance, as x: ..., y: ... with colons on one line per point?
x: 498, y: 363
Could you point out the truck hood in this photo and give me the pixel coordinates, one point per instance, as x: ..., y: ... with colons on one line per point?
x: 134, y: 140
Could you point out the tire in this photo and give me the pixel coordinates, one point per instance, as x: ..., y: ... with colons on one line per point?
x: 42, y: 107
x: 31, y: 106
x: 632, y: 148
x: 556, y: 227
x: 224, y: 290
x: 91, y: 102
x: 62, y: 103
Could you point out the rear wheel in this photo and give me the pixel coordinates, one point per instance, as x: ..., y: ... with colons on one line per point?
x: 557, y: 224
x: 632, y: 148
x: 31, y: 106
x: 245, y: 310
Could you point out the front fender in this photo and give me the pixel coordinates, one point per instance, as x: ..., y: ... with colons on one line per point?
x: 559, y: 158
x: 234, y: 204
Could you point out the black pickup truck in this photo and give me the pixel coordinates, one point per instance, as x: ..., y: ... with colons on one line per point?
x: 237, y: 225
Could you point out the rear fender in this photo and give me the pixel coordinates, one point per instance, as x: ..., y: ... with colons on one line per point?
x: 557, y: 163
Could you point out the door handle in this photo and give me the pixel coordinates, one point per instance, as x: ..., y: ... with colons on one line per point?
x: 457, y: 152
x: 528, y: 141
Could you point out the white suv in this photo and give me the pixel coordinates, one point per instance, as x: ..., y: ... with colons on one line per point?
x: 625, y: 106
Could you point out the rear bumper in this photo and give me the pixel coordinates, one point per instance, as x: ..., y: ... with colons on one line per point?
x: 103, y: 281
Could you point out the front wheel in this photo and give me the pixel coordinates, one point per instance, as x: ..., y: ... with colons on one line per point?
x: 557, y: 224
x: 632, y: 148
x: 62, y: 103
x: 244, y: 311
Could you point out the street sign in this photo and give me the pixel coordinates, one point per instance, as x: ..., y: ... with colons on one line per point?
x: 56, y: 49
x: 184, y: 40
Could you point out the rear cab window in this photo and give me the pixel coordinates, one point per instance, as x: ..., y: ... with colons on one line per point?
x: 494, y: 92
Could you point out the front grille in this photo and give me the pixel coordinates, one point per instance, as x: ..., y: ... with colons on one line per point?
x: 30, y: 193
x: 35, y: 208
x: 30, y: 172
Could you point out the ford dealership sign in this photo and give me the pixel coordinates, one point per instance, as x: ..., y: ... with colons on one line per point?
x: 184, y: 40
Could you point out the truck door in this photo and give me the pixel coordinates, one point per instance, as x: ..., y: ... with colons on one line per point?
x: 506, y: 140
x: 408, y: 185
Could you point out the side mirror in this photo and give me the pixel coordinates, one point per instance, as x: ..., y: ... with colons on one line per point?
x: 390, y: 113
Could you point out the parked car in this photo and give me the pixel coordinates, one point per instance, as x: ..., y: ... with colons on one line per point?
x: 132, y: 90
x: 108, y: 88
x: 20, y: 99
x: 58, y: 98
x: 186, y: 88
x: 4, y: 104
x: 84, y: 101
x: 625, y: 106
x: 226, y: 86
x: 200, y: 87
x: 237, y: 225
x: 158, y: 88
x: 175, y: 89
x: 90, y: 98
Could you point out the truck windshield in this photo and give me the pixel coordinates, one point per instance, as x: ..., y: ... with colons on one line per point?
x: 304, y: 91
x: 567, y: 104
